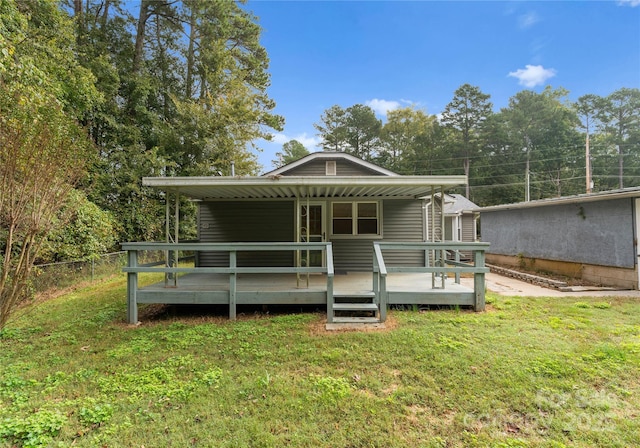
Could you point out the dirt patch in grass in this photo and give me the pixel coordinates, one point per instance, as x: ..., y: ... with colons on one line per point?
x: 318, y: 327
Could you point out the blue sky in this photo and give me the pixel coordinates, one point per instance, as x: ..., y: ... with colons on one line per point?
x: 394, y: 54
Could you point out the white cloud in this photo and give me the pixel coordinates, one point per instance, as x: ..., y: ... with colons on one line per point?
x: 528, y: 20
x: 310, y: 142
x: 381, y: 107
x: 632, y: 3
x: 533, y: 75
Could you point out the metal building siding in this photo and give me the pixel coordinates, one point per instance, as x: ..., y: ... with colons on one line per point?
x: 318, y: 168
x: 246, y: 221
x: 599, y: 233
x: 402, y: 221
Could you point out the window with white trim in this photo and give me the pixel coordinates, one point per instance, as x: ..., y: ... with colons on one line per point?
x: 355, y: 218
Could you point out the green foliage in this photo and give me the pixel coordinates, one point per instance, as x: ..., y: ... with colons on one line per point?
x: 291, y: 151
x: 332, y: 390
x: 88, y: 233
x: 454, y: 378
x: 95, y: 414
x: 34, y: 430
x: 43, y: 150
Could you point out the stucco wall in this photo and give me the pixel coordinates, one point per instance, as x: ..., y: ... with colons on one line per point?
x: 598, y: 233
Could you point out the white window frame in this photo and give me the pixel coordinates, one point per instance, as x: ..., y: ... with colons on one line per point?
x: 354, y: 221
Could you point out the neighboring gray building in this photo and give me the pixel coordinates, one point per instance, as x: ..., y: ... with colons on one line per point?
x: 591, y: 236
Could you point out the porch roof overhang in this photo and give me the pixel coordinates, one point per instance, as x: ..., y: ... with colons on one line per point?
x: 284, y: 187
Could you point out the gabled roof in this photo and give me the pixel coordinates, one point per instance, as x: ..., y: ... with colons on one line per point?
x: 459, y: 204
x: 631, y: 192
x: 328, y: 155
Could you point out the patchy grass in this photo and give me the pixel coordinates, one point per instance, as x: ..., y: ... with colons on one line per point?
x: 529, y: 372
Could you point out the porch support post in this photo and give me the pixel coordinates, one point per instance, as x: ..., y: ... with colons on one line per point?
x: 478, y: 281
x: 298, y: 237
x: 329, y: 254
x: 176, y: 255
x: 167, y: 232
x: 307, y: 236
x: 433, y: 234
x: 132, y: 288
x: 443, y: 252
x: 232, y: 284
x: 457, y: 259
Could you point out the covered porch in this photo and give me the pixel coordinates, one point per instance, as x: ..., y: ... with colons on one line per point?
x: 355, y: 244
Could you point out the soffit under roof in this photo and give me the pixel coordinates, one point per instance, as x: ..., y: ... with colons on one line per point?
x: 283, y: 187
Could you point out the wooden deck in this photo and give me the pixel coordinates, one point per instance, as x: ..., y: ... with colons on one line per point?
x: 286, y: 289
x: 361, y: 297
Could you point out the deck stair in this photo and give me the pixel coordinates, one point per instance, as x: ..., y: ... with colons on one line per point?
x: 355, y: 307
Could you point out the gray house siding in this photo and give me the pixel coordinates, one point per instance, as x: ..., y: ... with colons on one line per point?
x: 599, y: 233
x: 352, y: 254
x: 246, y: 221
x: 401, y: 221
x: 468, y: 228
x: 318, y: 168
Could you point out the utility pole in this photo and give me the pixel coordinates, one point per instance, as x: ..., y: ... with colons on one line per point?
x: 620, y: 166
x: 527, y: 181
x: 588, y: 161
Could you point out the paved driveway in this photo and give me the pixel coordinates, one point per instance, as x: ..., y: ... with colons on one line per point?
x: 508, y: 286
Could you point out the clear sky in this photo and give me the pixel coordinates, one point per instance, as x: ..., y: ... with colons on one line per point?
x: 389, y: 54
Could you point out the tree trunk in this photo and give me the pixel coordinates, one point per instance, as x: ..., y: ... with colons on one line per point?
x: 140, y: 33
x: 190, y: 53
x: 467, y: 165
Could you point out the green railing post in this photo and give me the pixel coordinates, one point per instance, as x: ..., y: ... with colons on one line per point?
x: 383, y: 298
x: 457, y: 259
x: 380, y: 281
x: 478, y: 281
x: 329, y: 256
x: 132, y: 288
x: 232, y: 284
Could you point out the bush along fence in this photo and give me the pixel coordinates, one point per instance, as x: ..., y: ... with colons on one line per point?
x: 66, y: 273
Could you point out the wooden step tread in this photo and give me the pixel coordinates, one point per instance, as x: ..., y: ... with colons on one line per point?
x: 355, y: 307
x: 354, y: 294
x: 356, y: 320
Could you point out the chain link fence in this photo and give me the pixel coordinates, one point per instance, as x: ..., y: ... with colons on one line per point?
x: 66, y: 273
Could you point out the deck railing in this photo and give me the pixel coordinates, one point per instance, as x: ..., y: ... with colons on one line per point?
x: 442, y: 259
x: 232, y: 270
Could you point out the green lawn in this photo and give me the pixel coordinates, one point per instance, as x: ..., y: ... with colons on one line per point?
x: 528, y: 372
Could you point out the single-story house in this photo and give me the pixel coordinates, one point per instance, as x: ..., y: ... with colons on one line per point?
x: 327, y: 213
x: 589, y: 236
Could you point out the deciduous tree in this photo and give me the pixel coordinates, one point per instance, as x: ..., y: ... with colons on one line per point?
x: 291, y: 151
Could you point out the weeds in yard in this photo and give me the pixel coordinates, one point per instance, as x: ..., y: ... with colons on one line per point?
x: 530, y: 372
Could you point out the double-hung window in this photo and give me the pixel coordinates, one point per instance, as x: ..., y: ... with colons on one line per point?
x: 355, y: 218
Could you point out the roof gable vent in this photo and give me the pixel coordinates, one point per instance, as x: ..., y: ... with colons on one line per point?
x: 331, y: 168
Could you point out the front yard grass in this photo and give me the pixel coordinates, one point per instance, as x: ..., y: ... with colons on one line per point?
x: 529, y: 372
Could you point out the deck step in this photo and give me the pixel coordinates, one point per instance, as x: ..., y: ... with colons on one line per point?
x: 354, y: 294
x: 355, y: 307
x: 356, y: 320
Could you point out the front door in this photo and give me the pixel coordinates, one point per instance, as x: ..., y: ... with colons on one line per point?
x: 312, y: 230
